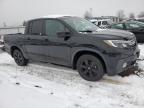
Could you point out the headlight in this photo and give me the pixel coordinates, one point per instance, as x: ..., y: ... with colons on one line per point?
x: 117, y: 43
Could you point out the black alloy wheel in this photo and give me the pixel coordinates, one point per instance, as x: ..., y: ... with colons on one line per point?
x: 90, y: 68
x: 19, y: 58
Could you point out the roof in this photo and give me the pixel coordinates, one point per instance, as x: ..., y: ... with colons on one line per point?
x: 51, y: 17
x: 56, y: 16
x: 97, y: 20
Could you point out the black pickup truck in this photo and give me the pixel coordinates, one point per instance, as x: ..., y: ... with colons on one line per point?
x: 74, y: 42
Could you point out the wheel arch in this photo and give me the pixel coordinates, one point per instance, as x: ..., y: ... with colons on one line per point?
x: 83, y: 52
x: 18, y: 48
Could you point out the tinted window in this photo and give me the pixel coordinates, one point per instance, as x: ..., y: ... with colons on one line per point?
x: 117, y: 26
x: 53, y: 27
x: 134, y: 25
x: 104, y: 23
x: 30, y: 28
x: 35, y: 27
x: 99, y: 23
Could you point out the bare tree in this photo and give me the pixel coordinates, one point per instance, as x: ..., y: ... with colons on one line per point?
x: 132, y: 16
x: 141, y: 15
x: 121, y: 15
x: 4, y: 24
x: 88, y: 14
x: 24, y: 23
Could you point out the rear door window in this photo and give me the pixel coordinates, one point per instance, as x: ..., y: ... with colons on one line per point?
x: 36, y: 27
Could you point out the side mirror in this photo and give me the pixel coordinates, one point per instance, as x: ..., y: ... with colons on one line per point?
x: 63, y: 34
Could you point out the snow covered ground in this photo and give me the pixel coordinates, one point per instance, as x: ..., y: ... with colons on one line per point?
x: 49, y: 86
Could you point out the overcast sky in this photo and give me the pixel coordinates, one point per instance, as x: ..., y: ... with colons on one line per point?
x: 15, y: 11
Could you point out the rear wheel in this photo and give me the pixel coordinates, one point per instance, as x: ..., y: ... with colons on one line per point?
x: 90, y: 68
x: 19, y: 58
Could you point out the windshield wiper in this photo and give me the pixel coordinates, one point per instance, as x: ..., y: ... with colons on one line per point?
x: 88, y: 31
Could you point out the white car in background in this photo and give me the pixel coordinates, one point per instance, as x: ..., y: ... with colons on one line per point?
x: 2, y: 42
x: 102, y: 23
x: 1, y: 39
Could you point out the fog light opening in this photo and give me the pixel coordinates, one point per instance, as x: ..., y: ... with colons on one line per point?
x: 124, y: 65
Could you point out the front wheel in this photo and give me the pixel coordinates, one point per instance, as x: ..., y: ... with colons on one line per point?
x: 90, y: 68
x: 19, y: 58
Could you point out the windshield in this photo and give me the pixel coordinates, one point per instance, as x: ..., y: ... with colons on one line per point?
x: 140, y: 24
x: 140, y: 20
x: 80, y: 24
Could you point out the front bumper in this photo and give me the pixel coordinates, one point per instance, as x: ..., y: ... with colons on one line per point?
x: 127, y: 63
x: 116, y: 65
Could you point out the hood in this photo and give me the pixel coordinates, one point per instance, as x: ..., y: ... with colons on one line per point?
x: 116, y: 33
x: 112, y: 34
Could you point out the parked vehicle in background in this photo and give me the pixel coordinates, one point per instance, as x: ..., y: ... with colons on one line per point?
x: 2, y: 42
x: 74, y: 42
x: 141, y: 20
x: 102, y: 23
x: 1, y: 39
x: 135, y: 27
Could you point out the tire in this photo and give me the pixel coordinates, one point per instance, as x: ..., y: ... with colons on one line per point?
x: 19, y: 58
x: 90, y: 68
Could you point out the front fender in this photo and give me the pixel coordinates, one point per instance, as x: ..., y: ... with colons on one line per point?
x: 75, y: 51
